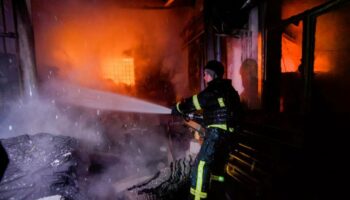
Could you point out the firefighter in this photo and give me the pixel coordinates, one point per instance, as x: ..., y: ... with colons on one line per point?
x: 220, y: 105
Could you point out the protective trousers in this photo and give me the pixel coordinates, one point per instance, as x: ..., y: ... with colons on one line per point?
x: 210, y: 163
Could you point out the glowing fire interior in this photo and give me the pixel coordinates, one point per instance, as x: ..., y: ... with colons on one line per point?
x: 292, y: 40
x: 104, y: 46
x: 119, y: 70
x: 291, y: 56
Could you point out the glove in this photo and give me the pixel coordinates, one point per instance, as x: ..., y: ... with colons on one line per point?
x: 175, y: 112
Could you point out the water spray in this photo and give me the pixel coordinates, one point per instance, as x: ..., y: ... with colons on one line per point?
x: 96, y: 99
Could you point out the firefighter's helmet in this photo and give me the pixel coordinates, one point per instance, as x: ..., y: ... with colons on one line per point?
x: 216, y: 67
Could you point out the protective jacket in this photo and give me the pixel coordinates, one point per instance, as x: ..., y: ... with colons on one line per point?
x: 220, y: 104
x: 221, y: 108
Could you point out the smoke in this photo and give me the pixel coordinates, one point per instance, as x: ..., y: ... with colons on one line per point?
x: 73, y: 40
x: 120, y: 145
x: 78, y: 37
x: 39, y: 114
x: 138, y: 142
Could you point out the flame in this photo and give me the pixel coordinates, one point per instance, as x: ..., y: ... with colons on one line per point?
x: 291, y: 55
x: 119, y: 70
x: 92, y: 44
x: 291, y: 58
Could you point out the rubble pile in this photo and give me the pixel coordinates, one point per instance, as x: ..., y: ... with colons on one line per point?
x: 40, y: 165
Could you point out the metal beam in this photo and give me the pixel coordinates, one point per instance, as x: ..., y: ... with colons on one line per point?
x: 315, y: 11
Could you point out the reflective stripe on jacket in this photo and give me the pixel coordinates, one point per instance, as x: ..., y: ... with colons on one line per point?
x: 220, y: 104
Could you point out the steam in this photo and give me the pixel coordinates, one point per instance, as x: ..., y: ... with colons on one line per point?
x: 136, y: 141
x: 33, y: 115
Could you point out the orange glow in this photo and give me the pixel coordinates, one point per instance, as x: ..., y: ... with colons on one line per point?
x: 292, y: 39
x: 103, y: 45
x: 291, y: 55
x: 322, y: 63
x: 119, y: 70
x: 290, y: 8
x: 327, y: 43
x: 291, y: 48
x: 260, y: 67
x: 88, y: 57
